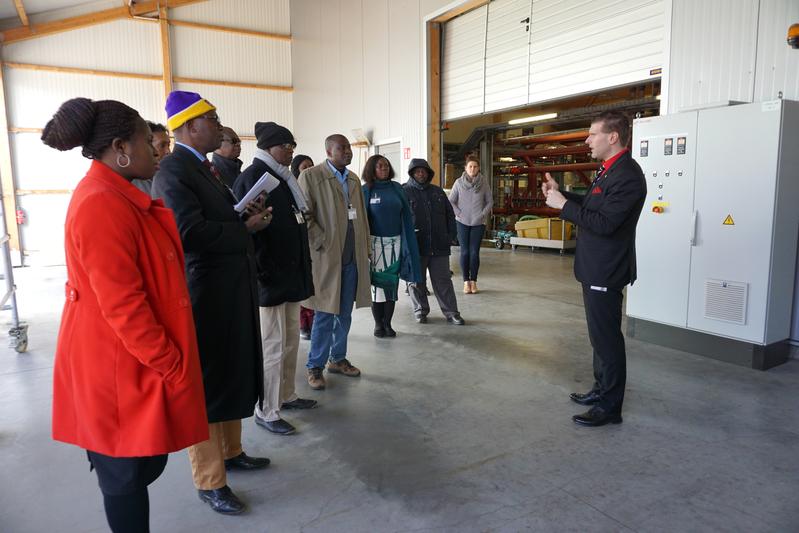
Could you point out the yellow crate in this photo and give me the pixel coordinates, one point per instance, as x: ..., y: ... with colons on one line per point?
x: 539, y: 229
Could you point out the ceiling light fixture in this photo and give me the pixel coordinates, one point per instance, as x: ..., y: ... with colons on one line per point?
x: 534, y: 118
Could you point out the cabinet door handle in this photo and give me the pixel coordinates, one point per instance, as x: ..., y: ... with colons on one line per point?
x: 693, y: 229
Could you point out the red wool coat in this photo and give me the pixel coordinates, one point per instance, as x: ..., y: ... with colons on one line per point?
x: 127, y: 371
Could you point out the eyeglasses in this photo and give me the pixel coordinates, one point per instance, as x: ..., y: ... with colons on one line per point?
x: 213, y: 117
x: 232, y: 141
x: 288, y: 146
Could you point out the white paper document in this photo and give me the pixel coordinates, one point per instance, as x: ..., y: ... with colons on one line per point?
x: 266, y: 184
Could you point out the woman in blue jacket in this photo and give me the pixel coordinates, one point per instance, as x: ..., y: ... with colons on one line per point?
x: 395, y: 252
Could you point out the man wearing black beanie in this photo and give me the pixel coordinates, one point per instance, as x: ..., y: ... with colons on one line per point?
x: 284, y: 272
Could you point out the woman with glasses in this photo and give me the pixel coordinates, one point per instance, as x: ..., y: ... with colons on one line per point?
x: 226, y: 157
x: 298, y: 164
x: 127, y: 383
x: 395, y: 252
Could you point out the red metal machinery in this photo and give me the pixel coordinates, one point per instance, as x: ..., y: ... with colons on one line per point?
x: 572, y: 157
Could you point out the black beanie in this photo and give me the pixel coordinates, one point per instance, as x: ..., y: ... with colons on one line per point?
x: 270, y: 134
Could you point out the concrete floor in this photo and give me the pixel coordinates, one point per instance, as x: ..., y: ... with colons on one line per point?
x: 452, y: 429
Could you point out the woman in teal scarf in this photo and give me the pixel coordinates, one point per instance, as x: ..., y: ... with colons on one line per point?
x: 395, y: 252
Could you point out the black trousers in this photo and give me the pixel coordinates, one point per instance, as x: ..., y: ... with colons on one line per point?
x: 123, y: 482
x: 603, y: 315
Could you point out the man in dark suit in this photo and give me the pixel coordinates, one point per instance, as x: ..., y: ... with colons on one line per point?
x: 605, y: 257
x: 220, y: 271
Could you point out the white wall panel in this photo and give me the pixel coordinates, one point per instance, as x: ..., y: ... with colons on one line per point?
x: 242, y: 108
x: 37, y: 166
x: 585, y: 46
x: 262, y: 15
x: 777, y: 64
x: 42, y: 235
x: 376, y: 78
x: 463, y: 65
x: 122, y: 45
x: 713, y: 50
x: 406, y: 99
x: 33, y: 96
x: 312, y: 91
x: 507, y: 50
x: 215, y: 55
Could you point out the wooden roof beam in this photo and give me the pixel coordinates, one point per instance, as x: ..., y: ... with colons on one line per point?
x: 23, y: 16
x: 32, y: 31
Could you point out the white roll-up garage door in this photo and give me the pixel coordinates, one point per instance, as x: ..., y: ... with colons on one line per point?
x: 580, y: 47
x: 507, y: 42
x: 492, y: 60
x: 463, y: 65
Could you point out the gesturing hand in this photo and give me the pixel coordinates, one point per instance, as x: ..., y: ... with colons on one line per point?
x: 549, y: 184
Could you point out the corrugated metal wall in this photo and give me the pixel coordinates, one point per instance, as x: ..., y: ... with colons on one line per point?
x: 777, y: 66
x: 358, y: 64
x: 44, y: 176
x: 731, y: 50
x: 713, y: 51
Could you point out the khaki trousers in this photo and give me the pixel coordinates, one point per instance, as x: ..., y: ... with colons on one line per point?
x: 280, y: 336
x: 208, y: 457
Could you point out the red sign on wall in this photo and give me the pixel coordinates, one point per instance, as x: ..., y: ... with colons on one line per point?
x: 406, y: 152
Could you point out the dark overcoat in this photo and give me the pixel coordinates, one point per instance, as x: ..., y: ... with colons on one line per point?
x: 220, y: 271
x: 607, y: 217
x: 281, y: 250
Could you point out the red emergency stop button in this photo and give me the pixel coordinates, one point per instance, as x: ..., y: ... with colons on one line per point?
x: 657, y: 209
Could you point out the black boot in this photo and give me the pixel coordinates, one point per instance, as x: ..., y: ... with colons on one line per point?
x: 388, y: 314
x: 378, y: 311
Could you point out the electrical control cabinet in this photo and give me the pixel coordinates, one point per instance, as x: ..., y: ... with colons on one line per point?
x: 717, y: 238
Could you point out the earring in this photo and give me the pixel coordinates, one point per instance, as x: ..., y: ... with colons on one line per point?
x: 127, y: 161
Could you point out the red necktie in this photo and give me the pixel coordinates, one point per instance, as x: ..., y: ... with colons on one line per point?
x: 213, y: 170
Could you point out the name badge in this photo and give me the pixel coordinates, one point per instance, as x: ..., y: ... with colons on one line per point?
x: 374, y: 200
x: 299, y: 217
x: 352, y: 214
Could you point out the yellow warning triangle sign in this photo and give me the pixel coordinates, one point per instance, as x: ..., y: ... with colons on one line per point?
x: 729, y: 221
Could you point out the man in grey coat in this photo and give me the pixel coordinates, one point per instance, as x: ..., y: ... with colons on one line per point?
x: 434, y: 222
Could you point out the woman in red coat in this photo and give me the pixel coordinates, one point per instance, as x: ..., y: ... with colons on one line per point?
x: 127, y: 383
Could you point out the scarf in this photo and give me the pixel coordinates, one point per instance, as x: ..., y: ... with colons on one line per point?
x: 285, y: 173
x: 472, y: 183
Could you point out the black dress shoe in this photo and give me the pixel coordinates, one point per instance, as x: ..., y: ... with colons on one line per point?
x: 244, y: 462
x: 278, y: 427
x: 589, y: 398
x: 299, y: 403
x: 456, y: 320
x: 390, y: 331
x: 420, y: 318
x: 380, y: 332
x: 596, y: 416
x: 222, y: 500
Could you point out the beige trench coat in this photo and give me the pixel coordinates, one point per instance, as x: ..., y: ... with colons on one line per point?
x: 327, y: 231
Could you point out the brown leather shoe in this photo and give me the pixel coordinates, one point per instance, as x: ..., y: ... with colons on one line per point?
x: 473, y: 287
x: 343, y: 367
x: 315, y: 378
x: 467, y: 287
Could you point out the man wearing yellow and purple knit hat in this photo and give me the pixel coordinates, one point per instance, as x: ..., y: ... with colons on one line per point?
x: 220, y: 271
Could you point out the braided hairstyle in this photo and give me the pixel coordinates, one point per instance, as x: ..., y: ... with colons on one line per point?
x: 92, y: 125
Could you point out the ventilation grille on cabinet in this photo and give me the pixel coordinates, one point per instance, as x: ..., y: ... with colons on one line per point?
x: 726, y: 300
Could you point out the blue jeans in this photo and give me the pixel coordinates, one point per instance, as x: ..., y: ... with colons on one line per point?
x: 329, y: 332
x: 469, y: 238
